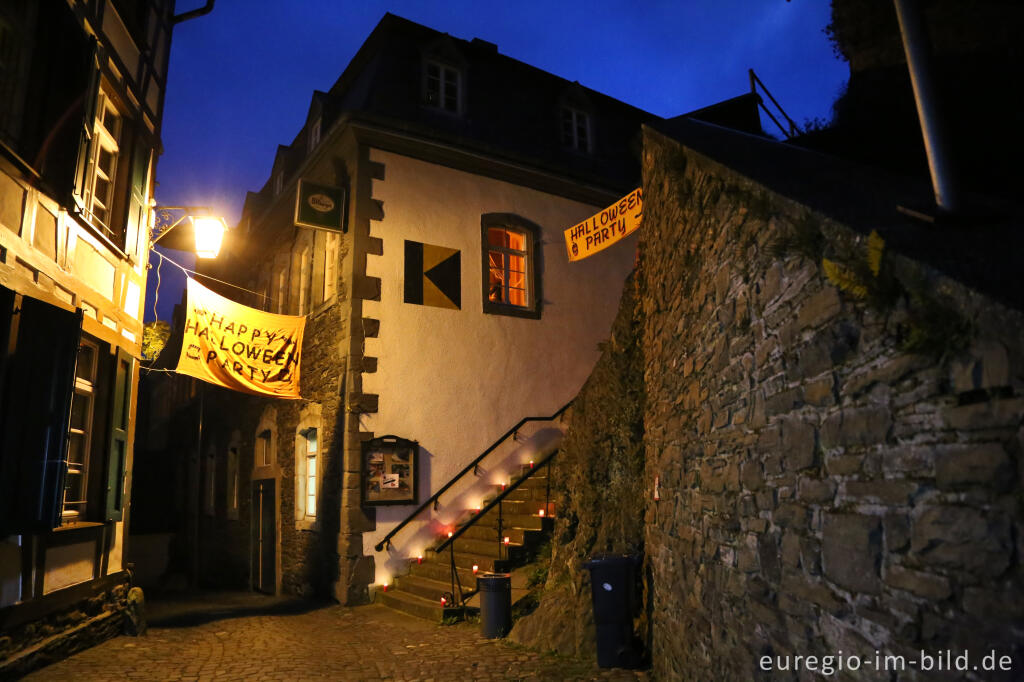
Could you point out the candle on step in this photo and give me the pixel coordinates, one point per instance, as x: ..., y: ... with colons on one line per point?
x: 450, y: 533
x: 475, y: 569
x: 507, y: 539
x: 540, y: 512
x: 531, y: 463
x: 419, y: 559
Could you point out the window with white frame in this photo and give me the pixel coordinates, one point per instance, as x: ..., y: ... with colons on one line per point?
x: 442, y: 86
x: 307, y: 468
x: 210, y: 487
x: 511, y: 282
x: 314, y: 135
x: 280, y: 289
x: 101, y: 180
x: 305, y: 277
x: 576, y: 129
x: 325, y: 272
x: 310, y: 440
x: 81, y: 434
x: 231, y: 489
x: 264, y: 456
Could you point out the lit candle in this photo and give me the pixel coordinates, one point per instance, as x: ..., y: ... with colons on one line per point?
x: 475, y: 569
x: 507, y: 539
x: 449, y: 533
x: 419, y: 559
x: 541, y: 512
x: 443, y: 601
x: 531, y: 463
x: 384, y: 587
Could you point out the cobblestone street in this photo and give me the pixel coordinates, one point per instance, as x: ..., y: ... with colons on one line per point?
x: 233, y: 636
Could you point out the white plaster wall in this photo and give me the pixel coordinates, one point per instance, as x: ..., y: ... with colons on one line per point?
x: 455, y: 380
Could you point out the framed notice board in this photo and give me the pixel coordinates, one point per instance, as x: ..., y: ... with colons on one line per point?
x: 389, y: 473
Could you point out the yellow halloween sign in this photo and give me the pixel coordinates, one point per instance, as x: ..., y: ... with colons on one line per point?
x: 241, y: 348
x: 603, y: 229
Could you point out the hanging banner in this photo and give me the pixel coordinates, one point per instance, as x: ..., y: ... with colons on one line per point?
x: 241, y: 348
x: 321, y: 207
x: 603, y: 229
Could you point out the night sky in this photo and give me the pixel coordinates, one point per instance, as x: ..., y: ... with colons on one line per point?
x: 241, y: 78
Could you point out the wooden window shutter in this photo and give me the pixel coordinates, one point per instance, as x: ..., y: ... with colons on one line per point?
x: 85, y: 131
x: 39, y: 385
x: 138, y: 201
x: 117, y: 456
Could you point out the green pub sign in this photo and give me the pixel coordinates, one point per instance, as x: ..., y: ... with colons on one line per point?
x: 321, y: 207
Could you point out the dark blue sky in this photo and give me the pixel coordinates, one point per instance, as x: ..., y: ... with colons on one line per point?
x: 241, y: 78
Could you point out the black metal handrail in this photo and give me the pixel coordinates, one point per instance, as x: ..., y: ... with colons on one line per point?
x: 794, y: 129
x: 433, y: 500
x: 495, y: 502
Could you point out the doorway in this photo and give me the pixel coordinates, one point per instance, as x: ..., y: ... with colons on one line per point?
x: 264, y: 536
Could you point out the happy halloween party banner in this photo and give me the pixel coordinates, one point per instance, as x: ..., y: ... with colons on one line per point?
x: 241, y: 348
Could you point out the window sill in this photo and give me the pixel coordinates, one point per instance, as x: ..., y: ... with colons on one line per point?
x: 78, y: 525
x: 511, y: 310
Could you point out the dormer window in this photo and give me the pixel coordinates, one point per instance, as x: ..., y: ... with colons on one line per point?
x: 576, y: 129
x: 442, y: 87
x: 278, y: 183
x: 314, y: 135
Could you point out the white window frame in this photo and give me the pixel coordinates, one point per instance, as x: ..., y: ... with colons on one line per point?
x: 443, y: 86
x: 101, y: 211
x: 314, y: 135
x: 210, y: 487
x: 571, y: 137
x: 306, y: 461
x: 85, y: 389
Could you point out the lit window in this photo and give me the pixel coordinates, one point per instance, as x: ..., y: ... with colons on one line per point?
x: 310, y: 457
x: 100, y: 186
x: 80, y: 434
x: 442, y: 87
x: 575, y: 129
x: 511, y: 282
x: 507, y: 267
x: 326, y: 271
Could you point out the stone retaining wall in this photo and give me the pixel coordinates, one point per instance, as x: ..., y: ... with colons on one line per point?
x: 837, y: 438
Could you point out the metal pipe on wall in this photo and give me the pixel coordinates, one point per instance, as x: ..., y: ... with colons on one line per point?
x: 915, y: 46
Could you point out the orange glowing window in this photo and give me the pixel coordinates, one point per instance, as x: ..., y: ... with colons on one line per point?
x: 507, y: 264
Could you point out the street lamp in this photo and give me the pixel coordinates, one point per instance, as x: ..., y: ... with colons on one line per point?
x: 207, y: 230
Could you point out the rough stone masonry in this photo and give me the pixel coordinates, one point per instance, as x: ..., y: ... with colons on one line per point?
x: 837, y: 431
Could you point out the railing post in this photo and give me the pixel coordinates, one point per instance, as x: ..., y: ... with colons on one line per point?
x: 501, y: 529
x: 547, y: 492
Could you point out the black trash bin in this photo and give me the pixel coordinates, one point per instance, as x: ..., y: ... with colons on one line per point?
x: 612, y: 584
x: 495, y: 604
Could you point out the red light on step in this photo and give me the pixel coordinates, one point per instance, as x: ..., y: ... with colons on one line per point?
x: 450, y: 533
x: 384, y: 588
x: 419, y: 559
x: 540, y: 512
x: 531, y: 463
x: 504, y: 485
x: 443, y: 601
x: 507, y: 539
x: 475, y: 569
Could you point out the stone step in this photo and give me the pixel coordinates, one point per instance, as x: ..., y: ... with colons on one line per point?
x: 490, y: 533
x: 441, y: 571
x: 415, y: 606
x: 466, y: 559
x: 431, y: 589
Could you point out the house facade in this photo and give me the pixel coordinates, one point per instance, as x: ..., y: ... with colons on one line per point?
x: 443, y: 312
x: 81, y: 96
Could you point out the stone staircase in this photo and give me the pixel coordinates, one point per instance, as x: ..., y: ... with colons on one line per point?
x: 480, y: 549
